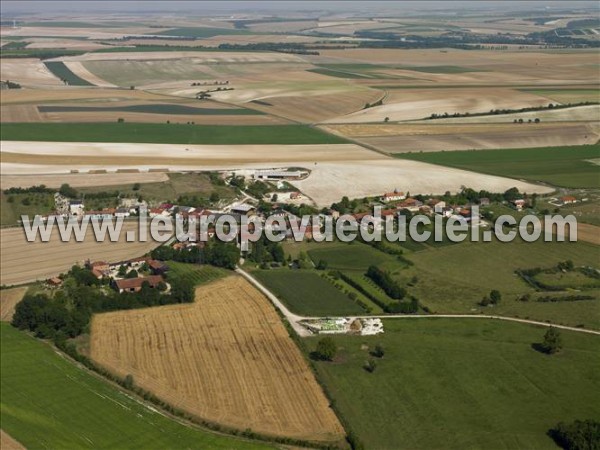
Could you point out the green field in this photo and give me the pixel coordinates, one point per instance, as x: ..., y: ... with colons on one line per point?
x: 354, y: 256
x: 561, y: 166
x: 306, y: 293
x: 167, y: 133
x: 12, y: 206
x: 60, y: 70
x: 454, y: 278
x: 340, y: 73
x: 48, y: 402
x: 441, y: 69
x: 195, y: 273
x: 462, y: 384
x: 202, y: 32
x: 154, y: 109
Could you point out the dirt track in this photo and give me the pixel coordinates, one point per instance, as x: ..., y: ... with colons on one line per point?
x: 225, y: 358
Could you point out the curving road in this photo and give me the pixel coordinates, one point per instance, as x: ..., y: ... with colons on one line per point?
x: 294, y: 319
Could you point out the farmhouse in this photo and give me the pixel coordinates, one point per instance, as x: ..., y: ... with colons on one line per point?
x: 122, y: 212
x: 243, y: 209
x: 106, y: 213
x: 135, y: 284
x: 518, y: 204
x: 54, y: 282
x: 568, y: 199
x: 410, y: 204
x: 76, y: 207
x: 392, y: 196
x: 157, y: 267
x: 155, y: 212
x: 99, y: 268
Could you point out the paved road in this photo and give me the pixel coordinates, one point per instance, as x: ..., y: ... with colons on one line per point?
x: 294, y: 319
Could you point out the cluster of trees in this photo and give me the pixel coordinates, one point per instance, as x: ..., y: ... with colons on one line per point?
x: 325, y: 350
x: 215, y: 252
x: 385, y: 282
x: 67, y: 313
x: 264, y: 251
x: 494, y: 112
x: 258, y: 189
x: 345, y: 205
x: 492, y: 299
x: 578, y: 435
x: 371, y: 105
x: 41, y: 189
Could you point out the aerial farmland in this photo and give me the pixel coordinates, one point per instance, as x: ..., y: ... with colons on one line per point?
x: 154, y: 120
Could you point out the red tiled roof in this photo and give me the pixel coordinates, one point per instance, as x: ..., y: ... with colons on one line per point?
x: 132, y: 283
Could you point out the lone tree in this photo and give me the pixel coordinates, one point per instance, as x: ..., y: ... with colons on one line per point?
x: 326, y: 349
x: 552, y: 341
x: 378, y: 351
x: 495, y: 297
x: 370, y: 365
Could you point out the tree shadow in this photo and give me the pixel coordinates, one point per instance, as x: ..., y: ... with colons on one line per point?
x: 538, y: 347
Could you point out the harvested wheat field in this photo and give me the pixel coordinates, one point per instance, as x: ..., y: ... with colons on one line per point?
x: 414, y: 104
x: 401, y: 138
x: 226, y: 358
x: 8, y: 301
x: 27, y: 72
x: 23, y: 262
x: 318, y: 107
x: 81, y: 179
x: 17, y: 155
x: 330, y: 181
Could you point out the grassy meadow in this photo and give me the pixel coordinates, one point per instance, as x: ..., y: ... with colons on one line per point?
x: 48, y: 402
x: 60, y: 70
x: 455, y: 278
x: 461, y: 384
x: 161, y: 133
x: 568, y: 166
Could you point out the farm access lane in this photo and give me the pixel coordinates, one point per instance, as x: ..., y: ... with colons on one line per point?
x: 295, y: 319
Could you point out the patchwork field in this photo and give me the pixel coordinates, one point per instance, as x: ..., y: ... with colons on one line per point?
x: 402, y: 138
x: 47, y: 401
x: 561, y: 166
x: 23, y: 262
x: 228, y: 360
x: 462, y: 384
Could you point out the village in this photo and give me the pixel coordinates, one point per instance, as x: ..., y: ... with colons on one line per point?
x: 263, y: 193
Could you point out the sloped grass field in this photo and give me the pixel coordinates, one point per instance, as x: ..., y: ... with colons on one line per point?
x: 48, y: 402
x: 59, y: 69
x: 166, y: 133
x: 306, y: 293
x: 462, y: 384
x: 568, y: 166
